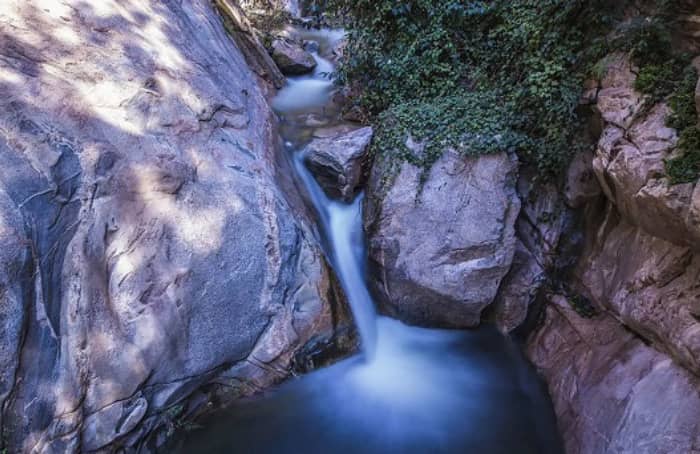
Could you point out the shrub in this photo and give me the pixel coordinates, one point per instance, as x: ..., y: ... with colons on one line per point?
x: 485, y: 75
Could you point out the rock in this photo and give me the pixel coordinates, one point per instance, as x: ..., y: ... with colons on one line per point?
x: 150, y: 254
x: 629, y: 161
x: 337, y: 162
x: 581, y: 183
x: 611, y: 392
x: 311, y: 46
x: 542, y: 221
x: 626, y: 379
x: 650, y: 284
x: 439, y: 250
x: 247, y: 41
x: 15, y: 274
x: 291, y: 58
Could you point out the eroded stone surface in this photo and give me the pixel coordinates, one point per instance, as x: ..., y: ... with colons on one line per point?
x: 626, y: 379
x: 612, y: 393
x: 138, y: 169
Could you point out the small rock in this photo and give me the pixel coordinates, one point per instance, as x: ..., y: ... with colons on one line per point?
x: 336, y: 162
x: 291, y: 58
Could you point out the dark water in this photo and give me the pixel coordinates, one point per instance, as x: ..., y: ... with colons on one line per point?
x: 413, y: 390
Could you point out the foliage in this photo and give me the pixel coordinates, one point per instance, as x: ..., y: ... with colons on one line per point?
x: 467, y: 122
x: 505, y: 75
x: 665, y: 74
x: 686, y: 167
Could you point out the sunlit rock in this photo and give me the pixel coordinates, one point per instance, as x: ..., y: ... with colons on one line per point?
x: 291, y: 57
x: 150, y: 257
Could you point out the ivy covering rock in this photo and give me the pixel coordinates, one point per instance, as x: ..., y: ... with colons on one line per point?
x: 488, y: 76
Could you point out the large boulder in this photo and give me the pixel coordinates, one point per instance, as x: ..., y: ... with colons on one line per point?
x: 291, y: 58
x: 150, y: 258
x: 337, y: 162
x: 439, y: 248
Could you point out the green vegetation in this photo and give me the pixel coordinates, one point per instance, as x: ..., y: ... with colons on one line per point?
x: 479, y: 76
x: 666, y: 75
x: 501, y: 75
x: 685, y: 168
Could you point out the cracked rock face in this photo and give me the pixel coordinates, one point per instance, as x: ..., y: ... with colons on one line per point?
x: 439, y: 252
x: 147, y: 247
x: 611, y: 392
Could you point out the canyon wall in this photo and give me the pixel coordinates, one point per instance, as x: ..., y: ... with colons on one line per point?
x: 627, y: 378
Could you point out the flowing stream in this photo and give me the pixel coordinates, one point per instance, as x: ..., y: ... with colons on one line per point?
x: 411, y: 390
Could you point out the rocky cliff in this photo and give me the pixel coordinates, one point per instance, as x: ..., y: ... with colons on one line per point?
x: 150, y: 261
x: 627, y: 379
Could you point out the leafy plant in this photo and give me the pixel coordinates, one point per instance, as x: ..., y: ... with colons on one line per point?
x: 477, y: 76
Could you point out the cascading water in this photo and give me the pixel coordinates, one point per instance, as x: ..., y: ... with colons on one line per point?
x: 414, y: 390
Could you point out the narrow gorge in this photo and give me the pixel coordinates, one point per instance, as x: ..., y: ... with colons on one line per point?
x: 358, y: 227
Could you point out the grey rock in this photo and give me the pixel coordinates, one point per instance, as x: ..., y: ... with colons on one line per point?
x: 247, y: 41
x: 626, y: 379
x: 652, y: 288
x: 440, y: 250
x: 337, y: 162
x: 15, y: 280
x: 291, y: 58
x: 148, y: 246
x: 611, y: 392
x: 581, y: 183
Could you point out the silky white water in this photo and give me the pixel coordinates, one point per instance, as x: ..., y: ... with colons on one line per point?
x: 411, y: 390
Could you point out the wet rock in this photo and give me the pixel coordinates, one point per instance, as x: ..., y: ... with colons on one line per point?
x: 291, y: 58
x: 150, y: 253
x: 440, y: 249
x: 337, y: 162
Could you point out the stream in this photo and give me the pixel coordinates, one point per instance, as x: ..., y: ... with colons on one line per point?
x: 410, y: 390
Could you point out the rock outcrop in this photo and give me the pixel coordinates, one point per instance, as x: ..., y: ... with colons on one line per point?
x: 291, y: 58
x: 626, y: 379
x: 149, y: 259
x: 440, y: 248
x: 611, y: 392
x: 337, y: 162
